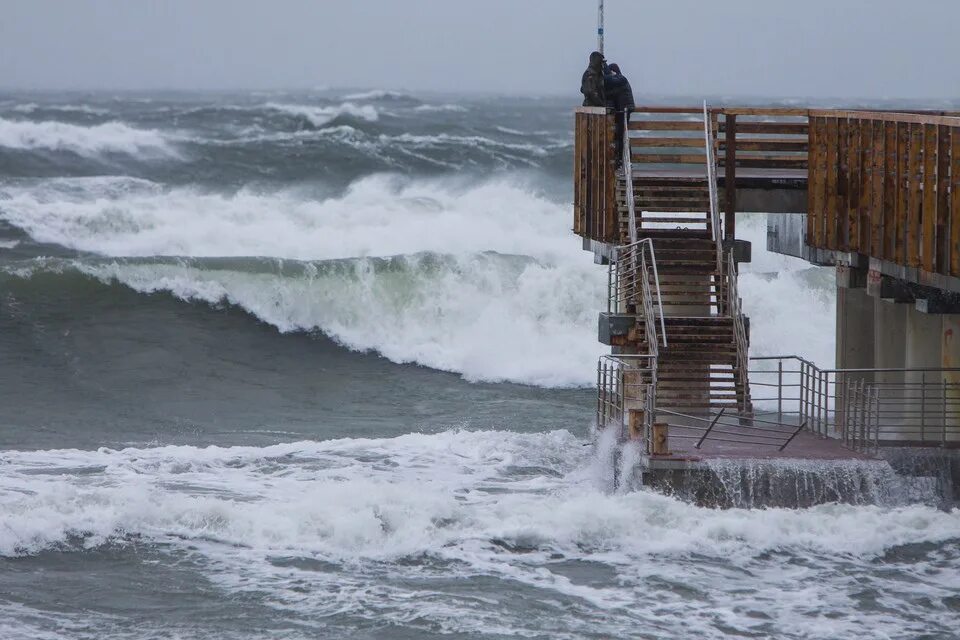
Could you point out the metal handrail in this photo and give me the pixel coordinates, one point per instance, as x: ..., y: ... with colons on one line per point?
x: 628, y: 178
x: 624, y: 383
x: 904, y: 407
x: 712, y: 189
x: 739, y: 327
x: 629, y: 279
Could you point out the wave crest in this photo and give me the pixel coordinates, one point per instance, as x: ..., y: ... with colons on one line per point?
x: 109, y: 137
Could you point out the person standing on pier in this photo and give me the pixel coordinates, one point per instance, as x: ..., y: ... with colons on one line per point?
x: 619, y: 96
x: 592, y: 83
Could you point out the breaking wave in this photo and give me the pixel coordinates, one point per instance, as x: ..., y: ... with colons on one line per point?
x: 376, y: 216
x: 488, y: 317
x: 109, y: 137
x: 320, y: 116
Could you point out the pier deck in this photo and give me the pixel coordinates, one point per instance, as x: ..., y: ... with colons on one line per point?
x: 805, y: 446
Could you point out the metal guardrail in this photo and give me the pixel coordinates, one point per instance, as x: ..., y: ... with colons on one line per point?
x: 628, y: 287
x: 626, y: 401
x: 709, y: 142
x: 627, y: 161
x: 734, y: 308
x: 866, y: 408
x: 627, y: 383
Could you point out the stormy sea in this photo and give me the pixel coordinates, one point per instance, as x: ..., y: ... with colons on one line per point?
x: 290, y: 365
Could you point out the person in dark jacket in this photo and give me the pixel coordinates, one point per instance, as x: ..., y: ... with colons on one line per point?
x: 619, y: 96
x: 592, y: 83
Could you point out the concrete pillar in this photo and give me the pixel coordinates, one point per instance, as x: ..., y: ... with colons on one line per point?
x: 890, y: 340
x: 924, y: 346
x: 855, y: 329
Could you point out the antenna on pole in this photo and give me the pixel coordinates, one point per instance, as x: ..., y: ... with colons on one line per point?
x: 600, y: 27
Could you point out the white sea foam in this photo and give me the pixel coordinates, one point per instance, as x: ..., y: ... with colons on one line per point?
x: 378, y: 94
x: 109, y: 137
x: 377, y: 216
x: 323, y: 115
x: 435, y: 108
x: 32, y: 107
x: 397, y: 521
x: 792, y: 305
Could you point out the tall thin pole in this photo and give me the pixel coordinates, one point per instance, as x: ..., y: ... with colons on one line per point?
x: 600, y: 27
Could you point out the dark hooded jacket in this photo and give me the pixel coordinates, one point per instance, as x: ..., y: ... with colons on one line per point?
x: 592, y: 83
x: 618, y: 91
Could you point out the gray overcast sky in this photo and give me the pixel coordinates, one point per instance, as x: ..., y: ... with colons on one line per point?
x: 820, y: 48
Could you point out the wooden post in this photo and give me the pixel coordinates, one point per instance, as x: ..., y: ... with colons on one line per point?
x: 660, y: 445
x: 730, y: 177
x: 635, y: 423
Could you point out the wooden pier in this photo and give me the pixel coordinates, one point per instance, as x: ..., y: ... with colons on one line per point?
x: 872, y: 186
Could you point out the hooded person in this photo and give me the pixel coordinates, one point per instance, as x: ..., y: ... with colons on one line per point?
x: 592, y: 83
x: 619, y: 95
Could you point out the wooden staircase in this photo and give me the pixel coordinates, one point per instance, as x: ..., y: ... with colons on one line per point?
x: 701, y: 363
x: 667, y: 207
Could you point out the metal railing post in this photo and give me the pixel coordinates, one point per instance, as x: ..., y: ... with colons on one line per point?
x: 943, y: 437
x: 780, y: 390
x: 923, y: 406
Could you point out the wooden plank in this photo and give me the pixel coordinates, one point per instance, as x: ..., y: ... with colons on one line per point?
x: 913, y: 118
x: 820, y: 186
x: 667, y: 109
x: 667, y: 158
x: 668, y: 143
x: 773, y: 128
x: 876, y: 186
x: 730, y: 177
x: 914, y: 211
x: 831, y: 149
x: 866, y: 190
x: 610, y: 183
x: 943, y: 200
x: 843, y: 184
x: 853, y: 185
x: 767, y: 111
x: 929, y: 215
x: 812, y: 184
x: 889, y: 243
x: 665, y: 125
x: 903, y: 191
x: 577, y: 176
x: 762, y: 161
x: 769, y: 144
x: 955, y: 201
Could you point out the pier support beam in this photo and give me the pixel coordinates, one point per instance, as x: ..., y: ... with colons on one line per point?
x: 855, y: 329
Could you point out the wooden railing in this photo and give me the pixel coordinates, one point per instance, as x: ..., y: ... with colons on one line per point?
x: 767, y: 142
x: 594, y: 178
x: 886, y: 185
